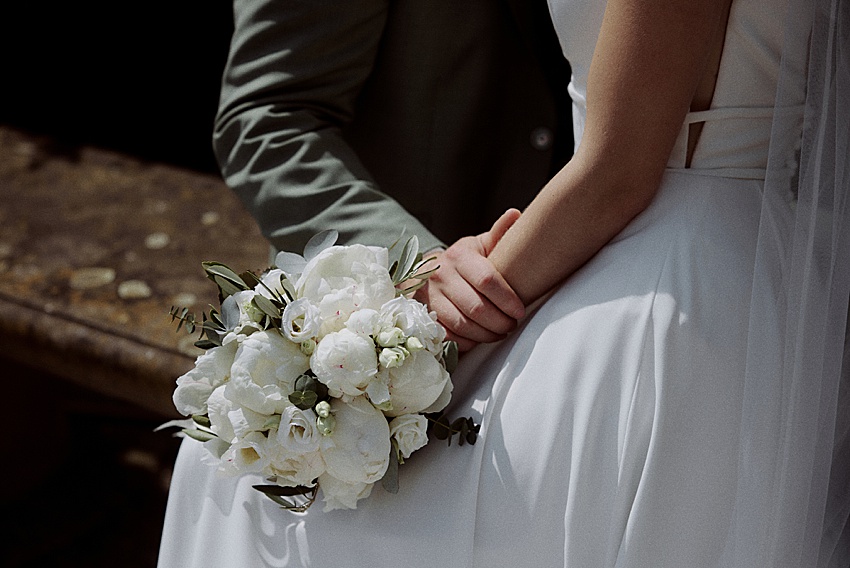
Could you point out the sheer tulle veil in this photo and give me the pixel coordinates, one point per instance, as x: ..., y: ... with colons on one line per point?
x: 795, y: 513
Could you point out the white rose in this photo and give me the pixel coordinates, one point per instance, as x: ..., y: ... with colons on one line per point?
x: 409, y: 431
x: 301, y: 320
x: 297, y: 433
x: 416, y: 385
x: 212, y: 369
x: 345, y: 362
x: 264, y: 371
x: 358, y: 450
x: 414, y: 319
x: 341, y: 495
x: 294, y: 449
x: 343, y: 279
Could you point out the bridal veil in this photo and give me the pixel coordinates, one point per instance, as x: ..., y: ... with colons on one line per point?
x: 792, y: 507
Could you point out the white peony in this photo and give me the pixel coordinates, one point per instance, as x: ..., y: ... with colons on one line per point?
x: 416, y: 385
x: 345, y: 362
x: 414, y: 319
x: 409, y: 431
x: 211, y: 370
x: 341, y: 495
x: 301, y: 320
x: 364, y: 322
x: 231, y: 422
x: 290, y: 470
x: 341, y: 280
x: 247, y: 455
x: 264, y: 372
x: 358, y: 450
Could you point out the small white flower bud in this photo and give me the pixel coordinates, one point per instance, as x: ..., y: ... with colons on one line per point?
x: 326, y: 424
x: 414, y: 344
x: 308, y: 346
x: 391, y: 337
x: 323, y: 409
x: 393, y: 357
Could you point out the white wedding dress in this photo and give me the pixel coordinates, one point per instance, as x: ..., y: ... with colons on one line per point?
x: 617, y: 425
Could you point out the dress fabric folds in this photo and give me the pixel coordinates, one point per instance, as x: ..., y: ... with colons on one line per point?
x: 676, y: 402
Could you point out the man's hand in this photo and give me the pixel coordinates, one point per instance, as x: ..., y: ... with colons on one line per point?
x: 472, y: 300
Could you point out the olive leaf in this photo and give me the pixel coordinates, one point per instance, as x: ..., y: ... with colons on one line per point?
x: 296, y: 499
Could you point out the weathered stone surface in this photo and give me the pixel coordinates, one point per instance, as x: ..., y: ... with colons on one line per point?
x: 76, y: 225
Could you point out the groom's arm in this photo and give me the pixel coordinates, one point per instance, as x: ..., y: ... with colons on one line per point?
x: 294, y: 71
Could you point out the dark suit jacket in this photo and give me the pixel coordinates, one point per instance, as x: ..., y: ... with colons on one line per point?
x: 370, y: 116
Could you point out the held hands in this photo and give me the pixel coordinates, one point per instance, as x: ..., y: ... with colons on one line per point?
x: 472, y: 300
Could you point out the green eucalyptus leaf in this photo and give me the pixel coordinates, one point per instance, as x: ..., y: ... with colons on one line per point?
x: 390, y: 479
x: 450, y: 356
x: 202, y: 419
x: 200, y: 435
x: 440, y: 428
x: 282, y: 491
x: 303, y: 399
x: 472, y: 436
x: 320, y: 242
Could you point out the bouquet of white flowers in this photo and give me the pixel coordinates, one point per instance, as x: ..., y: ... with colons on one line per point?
x: 319, y: 373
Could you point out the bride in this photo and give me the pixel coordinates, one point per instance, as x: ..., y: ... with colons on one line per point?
x: 674, y: 397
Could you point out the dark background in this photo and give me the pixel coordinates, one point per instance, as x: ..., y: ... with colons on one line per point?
x: 141, y: 78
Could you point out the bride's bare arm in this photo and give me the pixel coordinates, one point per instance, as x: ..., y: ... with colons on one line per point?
x: 649, y: 59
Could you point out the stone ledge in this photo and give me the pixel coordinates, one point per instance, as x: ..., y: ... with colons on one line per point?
x: 95, y: 247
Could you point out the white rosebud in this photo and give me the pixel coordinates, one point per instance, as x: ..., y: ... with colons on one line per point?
x: 308, y: 347
x: 392, y: 357
x: 409, y: 431
x: 414, y: 319
x: 413, y: 344
x: 390, y: 337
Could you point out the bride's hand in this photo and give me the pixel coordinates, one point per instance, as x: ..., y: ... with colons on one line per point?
x: 472, y: 300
